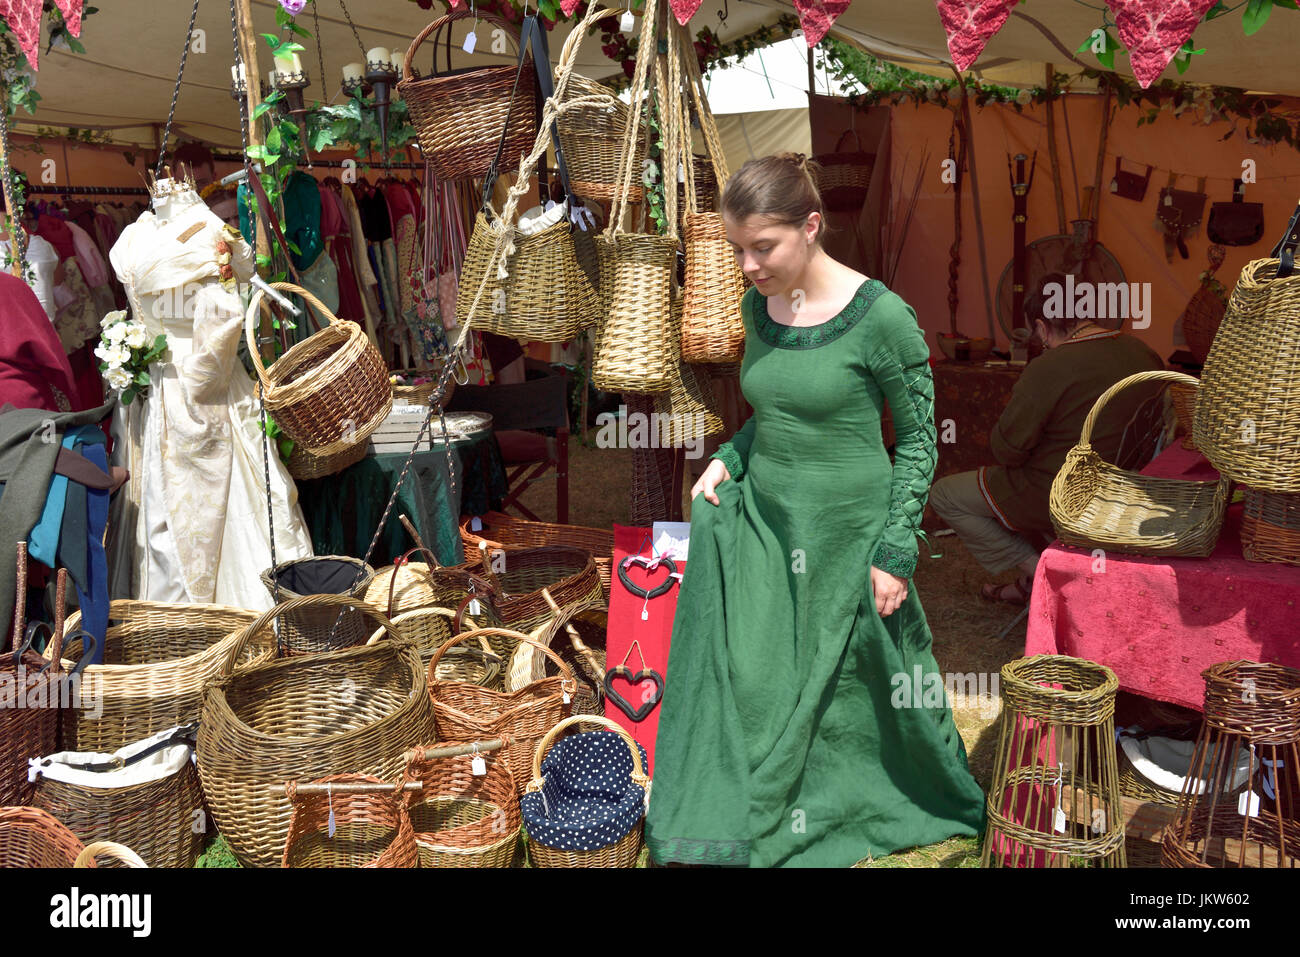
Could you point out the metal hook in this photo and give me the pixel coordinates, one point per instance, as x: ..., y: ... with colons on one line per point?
x: 725, y: 11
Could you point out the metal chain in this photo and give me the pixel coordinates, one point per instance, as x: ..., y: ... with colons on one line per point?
x: 320, y: 55
x: 176, y: 91
x: 360, y: 46
x: 18, y: 235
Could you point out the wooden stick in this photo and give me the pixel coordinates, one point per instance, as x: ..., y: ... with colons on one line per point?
x: 350, y: 787
x: 248, y: 51
x: 1094, y: 201
x: 20, y: 598
x: 1058, y: 192
x: 60, y: 604
x: 979, y: 218
x: 488, y: 573
x: 456, y: 750
x: 415, y: 536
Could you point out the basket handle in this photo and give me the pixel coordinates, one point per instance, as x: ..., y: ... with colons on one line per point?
x: 1160, y: 375
x: 569, y: 52
x: 293, y: 604
x: 839, y: 144
x: 638, y: 769
x: 392, y: 580
x: 250, y: 322
x: 444, y: 21
x: 434, y: 609
x: 110, y: 849
x: 567, y: 682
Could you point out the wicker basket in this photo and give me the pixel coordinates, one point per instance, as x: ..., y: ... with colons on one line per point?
x: 1248, y: 410
x: 30, y: 837
x: 546, y: 296
x: 1205, y: 309
x: 431, y: 628
x: 302, y: 719
x: 310, y: 628
x: 634, y: 353
x: 568, y: 573
x: 712, y: 329
x: 843, y: 176
x: 499, y: 530
x: 328, y: 392
x: 688, y: 409
x: 464, y: 711
x: 462, y: 819
x: 1094, y: 503
x: 622, y: 853
x: 158, y: 660
x: 1184, y: 400
x: 577, y: 636
x: 591, y: 137
x: 163, y: 819
x: 1270, y: 527
x: 348, y: 828
x: 25, y: 731
x: 459, y: 115
x: 406, y: 585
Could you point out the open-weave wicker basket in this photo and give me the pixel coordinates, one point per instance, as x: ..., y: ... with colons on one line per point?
x: 464, y: 711
x: 591, y: 137
x: 462, y: 819
x: 500, y: 530
x: 311, y: 628
x: 370, y: 829
x: 301, y: 719
x: 329, y: 392
x: 623, y: 852
x: 1248, y: 409
x: 577, y: 635
x: 1270, y: 527
x: 30, y: 837
x: 634, y: 353
x: 1094, y: 503
x: 158, y: 660
x: 568, y: 573
x: 459, y: 114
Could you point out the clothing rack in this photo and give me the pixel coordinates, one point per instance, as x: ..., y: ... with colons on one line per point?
x: 87, y: 190
x: 333, y: 164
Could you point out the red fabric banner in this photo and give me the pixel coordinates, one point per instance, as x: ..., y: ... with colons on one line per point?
x: 683, y: 10
x: 816, y: 17
x: 970, y: 24
x: 24, y: 19
x: 1153, y: 30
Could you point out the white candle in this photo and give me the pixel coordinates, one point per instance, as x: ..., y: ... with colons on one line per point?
x: 378, y: 55
x: 295, y: 63
x: 237, y: 73
x: 270, y: 78
x: 352, y: 72
x: 399, y: 60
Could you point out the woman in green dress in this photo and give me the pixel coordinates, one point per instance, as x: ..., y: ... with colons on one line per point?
x: 800, y: 724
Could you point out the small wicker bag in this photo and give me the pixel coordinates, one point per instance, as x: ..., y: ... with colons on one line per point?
x: 844, y: 175
x: 597, y: 808
x: 465, y: 712
x: 30, y: 837
x: 459, y: 115
x: 1094, y: 503
x: 303, y: 718
x: 343, y: 828
x: 568, y: 574
x: 577, y: 636
x: 462, y: 819
x: 406, y: 585
x: 1204, y: 312
x: 328, y: 392
x: 1248, y: 410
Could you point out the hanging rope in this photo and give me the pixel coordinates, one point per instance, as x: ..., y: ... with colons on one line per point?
x: 176, y: 93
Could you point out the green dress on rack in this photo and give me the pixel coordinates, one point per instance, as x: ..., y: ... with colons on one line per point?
x: 793, y: 729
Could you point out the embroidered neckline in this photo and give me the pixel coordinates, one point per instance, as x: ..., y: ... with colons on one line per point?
x: 810, y: 337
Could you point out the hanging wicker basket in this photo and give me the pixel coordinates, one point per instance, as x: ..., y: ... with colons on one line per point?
x: 347, y: 828
x: 328, y: 392
x: 591, y: 137
x: 1094, y: 503
x: 309, y: 627
x: 303, y: 718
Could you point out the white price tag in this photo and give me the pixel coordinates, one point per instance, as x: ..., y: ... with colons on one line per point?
x: 331, y: 825
x: 476, y: 524
x: 1248, y: 804
x: 567, y: 699
x: 1059, y: 821
x: 645, y: 615
x: 471, y: 38
x: 627, y: 23
x: 477, y: 766
x: 473, y: 606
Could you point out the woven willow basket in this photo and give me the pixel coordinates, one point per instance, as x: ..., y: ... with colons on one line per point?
x: 592, y: 140
x: 1184, y: 400
x: 33, y: 838
x: 303, y: 718
x: 310, y: 628
x: 459, y: 115
x: 304, y: 465
x: 1248, y: 410
x: 622, y: 853
x: 26, y: 732
x: 119, y: 854
x: 369, y: 829
x: 1270, y: 527
x: 499, y: 530
x: 568, y: 574
x: 688, y: 409
x: 712, y: 328
x: 547, y: 295
x: 1094, y: 503
x: 462, y: 819
x: 158, y: 660
x: 328, y: 392
x: 634, y: 353
x: 406, y: 585
x: 577, y: 636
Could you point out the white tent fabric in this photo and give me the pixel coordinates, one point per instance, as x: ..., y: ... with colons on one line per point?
x: 124, y: 82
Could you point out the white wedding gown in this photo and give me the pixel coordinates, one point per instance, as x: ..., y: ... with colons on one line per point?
x: 191, y: 525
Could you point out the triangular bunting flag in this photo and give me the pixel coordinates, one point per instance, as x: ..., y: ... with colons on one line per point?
x: 1153, y: 30
x: 24, y: 19
x: 970, y: 24
x: 568, y: 6
x: 816, y: 17
x: 71, y: 10
x: 683, y: 10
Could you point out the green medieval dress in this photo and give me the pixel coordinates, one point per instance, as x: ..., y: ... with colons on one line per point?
x: 792, y: 730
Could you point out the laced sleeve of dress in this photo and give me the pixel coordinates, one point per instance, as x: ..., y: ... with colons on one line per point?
x: 900, y: 363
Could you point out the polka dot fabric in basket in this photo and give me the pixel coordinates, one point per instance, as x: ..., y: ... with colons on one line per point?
x: 588, y: 800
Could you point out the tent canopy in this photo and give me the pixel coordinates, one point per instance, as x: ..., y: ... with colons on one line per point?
x: 124, y: 82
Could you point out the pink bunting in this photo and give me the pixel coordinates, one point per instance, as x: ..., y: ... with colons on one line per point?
x: 71, y: 10
x: 568, y: 6
x: 24, y: 19
x: 816, y: 17
x: 683, y: 10
x: 1153, y: 30
x: 970, y: 24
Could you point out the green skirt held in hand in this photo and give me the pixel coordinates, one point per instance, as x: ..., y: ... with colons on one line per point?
x: 789, y: 734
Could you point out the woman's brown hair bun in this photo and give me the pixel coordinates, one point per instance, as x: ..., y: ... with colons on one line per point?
x: 781, y: 187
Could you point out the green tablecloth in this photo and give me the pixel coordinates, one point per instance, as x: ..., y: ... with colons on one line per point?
x: 342, y: 510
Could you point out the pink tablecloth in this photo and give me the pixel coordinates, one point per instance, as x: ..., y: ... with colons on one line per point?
x: 1158, y: 623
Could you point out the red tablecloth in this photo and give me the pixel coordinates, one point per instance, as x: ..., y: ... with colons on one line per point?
x: 1159, y: 622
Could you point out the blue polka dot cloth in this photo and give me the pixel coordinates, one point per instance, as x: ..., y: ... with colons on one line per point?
x: 588, y: 800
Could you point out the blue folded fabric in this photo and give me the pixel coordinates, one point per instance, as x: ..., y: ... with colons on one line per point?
x: 588, y: 800
x: 43, y: 543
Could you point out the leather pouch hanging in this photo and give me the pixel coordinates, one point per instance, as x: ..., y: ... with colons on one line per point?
x: 1178, y: 214
x: 1129, y: 185
x: 1237, y: 223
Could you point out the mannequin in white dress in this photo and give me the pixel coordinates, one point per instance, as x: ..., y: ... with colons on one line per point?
x: 192, y: 527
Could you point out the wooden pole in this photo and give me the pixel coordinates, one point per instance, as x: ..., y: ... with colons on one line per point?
x: 1094, y: 204
x: 248, y: 52
x: 975, y: 197
x: 1058, y: 191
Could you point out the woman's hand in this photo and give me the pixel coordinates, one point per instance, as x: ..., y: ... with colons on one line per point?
x: 890, y: 591
x: 713, y: 476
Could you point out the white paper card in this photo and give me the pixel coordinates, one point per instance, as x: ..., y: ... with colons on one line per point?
x: 474, y: 606
x: 477, y: 766
x: 476, y: 524
x: 671, y: 539
x: 627, y: 23
x: 471, y: 38
x: 1248, y: 804
x: 1060, y: 821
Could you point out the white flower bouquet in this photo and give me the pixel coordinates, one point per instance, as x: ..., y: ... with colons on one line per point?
x: 126, y: 352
